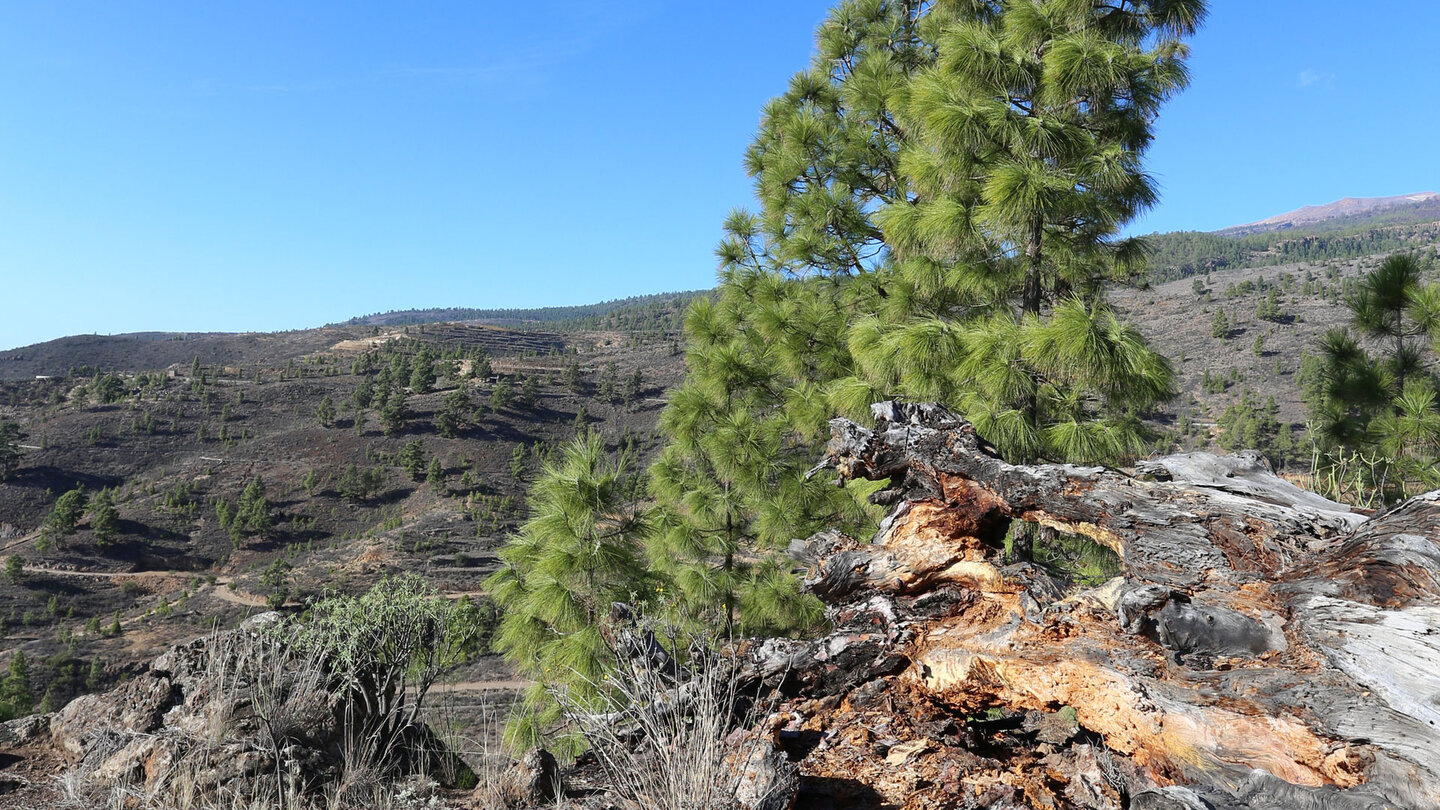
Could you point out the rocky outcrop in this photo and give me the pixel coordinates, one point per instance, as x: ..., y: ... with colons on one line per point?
x: 1262, y: 647
x: 234, y: 713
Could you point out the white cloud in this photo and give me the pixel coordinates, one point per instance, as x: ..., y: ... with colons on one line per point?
x: 1310, y: 76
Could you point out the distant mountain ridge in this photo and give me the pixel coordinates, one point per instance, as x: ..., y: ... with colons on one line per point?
x: 1347, y: 207
x: 583, y: 315
x: 1345, y: 229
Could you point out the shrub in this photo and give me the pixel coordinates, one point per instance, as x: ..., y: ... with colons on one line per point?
x: 382, y: 652
x: 662, y: 728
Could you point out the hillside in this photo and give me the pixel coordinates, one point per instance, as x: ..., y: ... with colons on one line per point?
x: 178, y: 428
x: 86, y: 354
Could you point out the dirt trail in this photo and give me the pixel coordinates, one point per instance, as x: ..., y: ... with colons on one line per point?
x: 66, y: 572
x: 220, y: 585
x: 501, y: 685
x: 224, y: 593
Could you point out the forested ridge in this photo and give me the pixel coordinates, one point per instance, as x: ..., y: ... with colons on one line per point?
x: 657, y: 313
x: 1182, y: 254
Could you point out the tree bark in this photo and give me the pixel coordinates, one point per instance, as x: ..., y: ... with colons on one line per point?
x: 1263, y: 647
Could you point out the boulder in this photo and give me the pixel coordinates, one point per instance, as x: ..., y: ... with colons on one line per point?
x: 533, y: 781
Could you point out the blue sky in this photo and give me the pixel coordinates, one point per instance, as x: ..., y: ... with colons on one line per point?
x: 274, y: 165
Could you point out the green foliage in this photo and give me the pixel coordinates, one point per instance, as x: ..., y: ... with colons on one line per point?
x: 1071, y: 558
x: 1382, y: 403
x: 311, y: 482
x: 943, y: 193
x: 325, y: 412
x: 1189, y: 253
x: 452, y: 412
x: 67, y: 511
x: 363, y: 394
x: 14, y: 569
x: 16, y: 699
x: 382, y: 652
x: 412, y: 460
x: 529, y: 393
x: 641, y: 316
x: 276, y: 579
x: 609, y: 388
x: 107, y: 388
x: 517, y: 461
x: 394, y: 414
x: 422, y: 374
x: 104, y: 517
x: 480, y: 366
x: 501, y: 396
x: 577, y: 554
x: 252, y: 514
x: 634, y: 385
x: 1220, y: 325
x: 10, y: 437
x: 1269, y: 308
x: 355, y: 485
x: 572, y: 378
x: 435, y: 477
x: 1247, y: 425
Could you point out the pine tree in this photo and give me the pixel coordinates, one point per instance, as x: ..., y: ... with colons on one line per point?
x: 349, y: 485
x: 609, y: 383
x: 572, y: 378
x: 394, y: 414
x: 1220, y: 325
x: 942, y: 197
x: 104, y: 517
x: 422, y: 374
x: 1269, y: 307
x: 634, y: 385
x: 252, y: 515
x: 67, y: 511
x: 1023, y: 162
x: 529, y: 393
x: 451, y: 416
x: 731, y: 489
x: 325, y: 412
x: 435, y: 476
x: 10, y: 437
x: 412, y: 460
x: 1386, y: 401
x: 363, y: 394
x: 480, y: 366
x: 577, y: 554
x: 501, y: 396
x: 16, y: 699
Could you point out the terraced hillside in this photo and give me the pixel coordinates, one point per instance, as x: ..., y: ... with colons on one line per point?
x: 351, y: 490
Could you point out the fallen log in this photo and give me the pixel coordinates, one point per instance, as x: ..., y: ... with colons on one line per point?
x: 1262, y: 648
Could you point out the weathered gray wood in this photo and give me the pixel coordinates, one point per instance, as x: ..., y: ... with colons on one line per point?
x: 1264, y: 647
